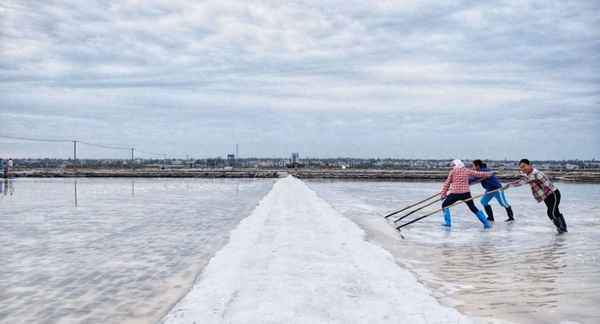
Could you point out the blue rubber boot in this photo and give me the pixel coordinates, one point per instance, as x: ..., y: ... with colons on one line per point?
x: 483, y: 219
x: 447, y: 218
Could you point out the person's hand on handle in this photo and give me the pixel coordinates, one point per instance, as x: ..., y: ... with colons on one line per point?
x: 511, y: 184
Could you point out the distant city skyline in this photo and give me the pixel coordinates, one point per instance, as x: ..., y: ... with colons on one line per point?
x: 412, y: 79
x: 292, y: 162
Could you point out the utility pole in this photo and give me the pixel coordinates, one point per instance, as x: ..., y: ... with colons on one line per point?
x: 74, y: 151
x: 75, y: 155
x: 132, y: 151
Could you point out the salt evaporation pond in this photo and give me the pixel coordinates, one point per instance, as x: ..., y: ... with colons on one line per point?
x: 521, y: 271
x: 111, y: 250
x: 125, y: 250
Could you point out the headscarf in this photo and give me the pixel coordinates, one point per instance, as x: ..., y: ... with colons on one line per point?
x: 458, y: 164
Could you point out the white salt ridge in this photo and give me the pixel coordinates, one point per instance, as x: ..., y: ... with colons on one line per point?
x: 297, y: 260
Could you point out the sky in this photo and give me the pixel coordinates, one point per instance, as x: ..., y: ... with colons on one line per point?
x: 401, y: 79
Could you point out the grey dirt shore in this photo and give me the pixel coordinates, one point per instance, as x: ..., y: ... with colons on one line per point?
x: 592, y: 176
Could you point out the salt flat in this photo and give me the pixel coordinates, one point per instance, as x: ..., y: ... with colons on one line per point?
x: 295, y: 259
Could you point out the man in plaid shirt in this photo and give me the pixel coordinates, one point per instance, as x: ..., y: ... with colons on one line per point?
x: 543, y: 190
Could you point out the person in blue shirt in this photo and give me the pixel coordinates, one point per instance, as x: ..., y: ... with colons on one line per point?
x: 489, y: 184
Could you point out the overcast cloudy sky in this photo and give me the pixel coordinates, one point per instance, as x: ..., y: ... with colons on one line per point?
x: 426, y: 79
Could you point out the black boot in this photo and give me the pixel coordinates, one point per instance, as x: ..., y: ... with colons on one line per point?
x: 559, y: 225
x: 509, y: 212
x: 489, y: 212
x: 562, y: 223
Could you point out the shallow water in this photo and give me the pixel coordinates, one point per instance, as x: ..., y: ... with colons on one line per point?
x: 519, y: 271
x: 111, y: 250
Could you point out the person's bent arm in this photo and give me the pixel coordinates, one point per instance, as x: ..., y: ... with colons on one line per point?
x: 480, y: 174
x: 520, y: 182
x: 446, y: 185
x: 473, y: 180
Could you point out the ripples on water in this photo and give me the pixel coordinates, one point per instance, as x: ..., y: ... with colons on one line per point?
x: 522, y: 271
x: 111, y: 250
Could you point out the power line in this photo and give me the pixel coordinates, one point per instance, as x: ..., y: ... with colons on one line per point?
x: 150, y: 153
x: 106, y: 146
x: 36, y: 139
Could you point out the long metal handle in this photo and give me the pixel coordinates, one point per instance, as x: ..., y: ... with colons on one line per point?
x: 454, y: 204
x: 413, y: 205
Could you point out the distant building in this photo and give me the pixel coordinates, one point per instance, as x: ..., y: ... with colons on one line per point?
x: 570, y: 166
x: 295, y: 159
x: 231, y: 160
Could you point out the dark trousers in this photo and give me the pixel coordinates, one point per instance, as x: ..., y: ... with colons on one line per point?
x: 454, y: 197
x: 552, y: 202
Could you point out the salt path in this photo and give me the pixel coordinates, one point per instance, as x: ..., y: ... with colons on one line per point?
x: 295, y: 259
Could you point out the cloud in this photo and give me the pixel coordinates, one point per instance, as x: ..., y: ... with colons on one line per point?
x: 332, y: 78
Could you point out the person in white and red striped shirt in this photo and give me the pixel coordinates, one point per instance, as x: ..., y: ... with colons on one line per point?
x: 456, y: 187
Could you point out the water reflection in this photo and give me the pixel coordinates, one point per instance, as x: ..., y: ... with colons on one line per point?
x: 76, y: 196
x: 520, y: 271
x: 76, y: 188
x: 7, y: 186
x: 494, y: 278
x: 75, y: 191
x: 127, y: 253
